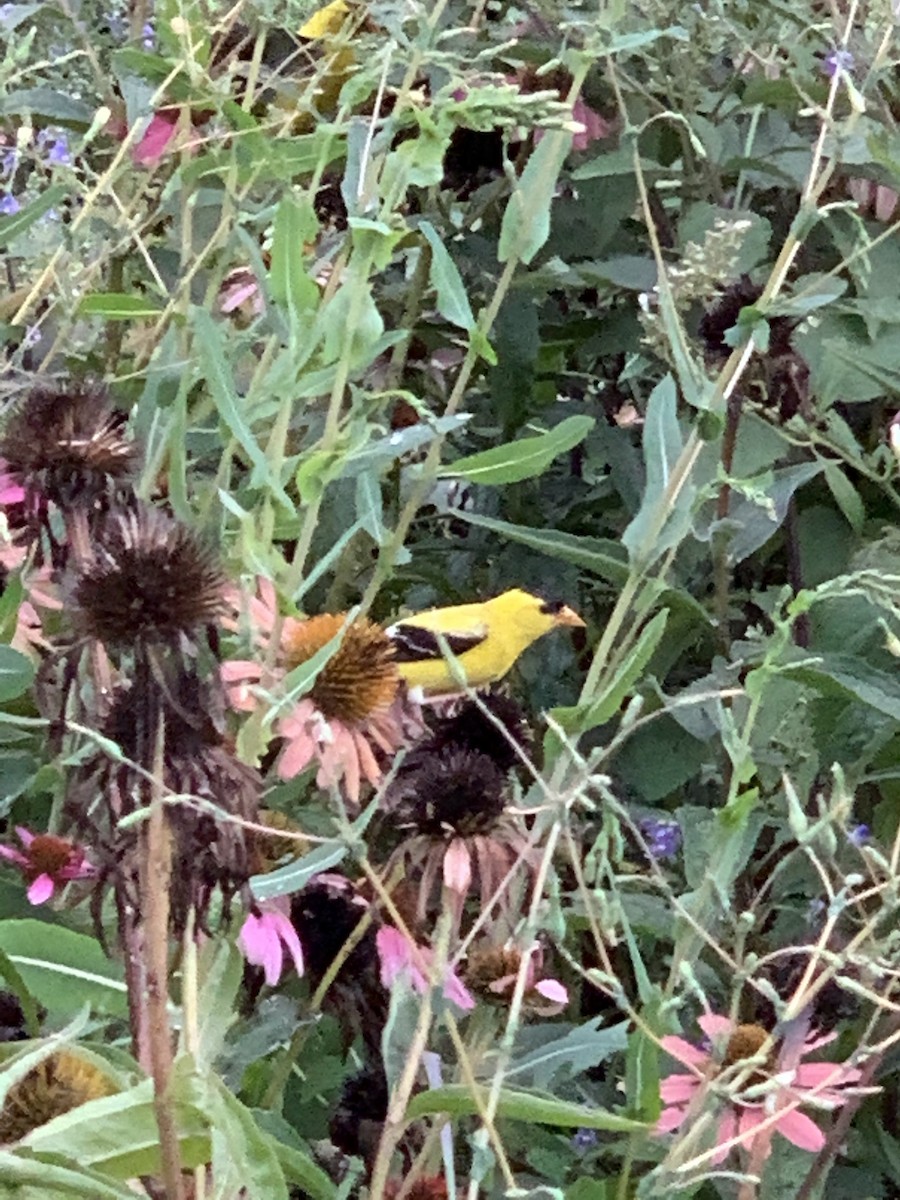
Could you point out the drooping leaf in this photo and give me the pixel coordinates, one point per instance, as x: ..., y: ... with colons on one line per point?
x: 665, y: 508
x: 600, y: 709
x: 517, y: 1105
x: 526, y: 221
x: 523, y: 459
x: 453, y: 303
x: 290, y: 283
x: 296, y: 875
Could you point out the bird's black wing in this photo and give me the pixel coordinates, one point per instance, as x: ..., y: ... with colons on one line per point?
x: 415, y: 644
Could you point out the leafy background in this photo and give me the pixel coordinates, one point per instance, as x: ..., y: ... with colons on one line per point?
x: 654, y: 374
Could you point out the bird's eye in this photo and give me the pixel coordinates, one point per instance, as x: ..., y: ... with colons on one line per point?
x: 551, y: 607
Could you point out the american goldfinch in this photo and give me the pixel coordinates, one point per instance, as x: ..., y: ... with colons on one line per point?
x: 485, y: 638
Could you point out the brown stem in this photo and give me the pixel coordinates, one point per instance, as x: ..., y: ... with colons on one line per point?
x: 131, y: 938
x: 156, y: 873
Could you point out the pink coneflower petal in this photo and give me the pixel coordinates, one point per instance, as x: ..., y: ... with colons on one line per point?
x: 814, y: 1075
x: 670, y: 1118
x: 41, y: 890
x: 715, y: 1026
x: 728, y: 1126
x: 690, y: 1055
x: 11, y: 854
x: 298, y: 752
x: 799, y: 1129
x: 25, y: 836
x: 263, y: 939
x: 458, y: 867
x: 291, y: 940
x: 553, y: 990
x: 676, y: 1089
x: 457, y: 993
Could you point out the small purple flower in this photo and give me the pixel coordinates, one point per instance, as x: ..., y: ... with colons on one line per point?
x: 837, y: 62
x: 584, y: 1140
x: 148, y: 37
x: 7, y: 11
x: 663, y: 837
x: 9, y: 205
x: 858, y: 835
x: 56, y: 144
x: 9, y: 162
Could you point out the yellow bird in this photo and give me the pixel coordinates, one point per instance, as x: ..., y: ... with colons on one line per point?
x: 485, y: 638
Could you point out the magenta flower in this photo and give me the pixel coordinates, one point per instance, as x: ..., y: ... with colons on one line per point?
x: 753, y: 1105
x: 11, y: 491
x: 47, y: 862
x: 265, y: 935
x: 399, y: 956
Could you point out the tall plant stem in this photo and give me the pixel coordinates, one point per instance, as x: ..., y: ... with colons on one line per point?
x: 395, y: 1121
x: 156, y: 876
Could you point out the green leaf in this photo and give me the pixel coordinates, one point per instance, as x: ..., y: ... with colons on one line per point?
x: 452, y: 301
x: 117, y: 306
x: 22, y: 1169
x: 582, y: 717
x: 296, y: 875
x: 290, y: 283
x: 879, y: 690
x: 16, y: 673
x: 526, y: 221
x: 119, y: 1135
x: 642, y: 1062
x: 601, y: 556
x: 578, y: 1050
x: 535, y: 1107
x: 846, y: 496
x: 48, y: 103
x: 66, y: 969
x: 523, y: 459
x: 16, y: 223
x: 663, y: 517
x: 213, y: 361
x: 221, y: 970
x: 241, y: 1150
x: 300, y: 1169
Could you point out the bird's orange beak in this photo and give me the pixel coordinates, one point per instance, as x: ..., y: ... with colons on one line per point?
x: 568, y: 616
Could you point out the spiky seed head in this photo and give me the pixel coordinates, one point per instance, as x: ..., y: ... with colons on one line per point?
x: 454, y: 791
x: 151, y: 580
x: 68, y: 444
x: 746, y: 1041
x: 495, y: 732
x: 55, y: 1086
x: 360, y: 680
x: 489, y: 965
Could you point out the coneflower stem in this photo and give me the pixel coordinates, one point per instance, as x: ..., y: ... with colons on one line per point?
x: 190, y: 1009
x: 156, y: 875
x: 395, y: 1120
